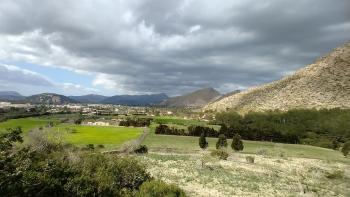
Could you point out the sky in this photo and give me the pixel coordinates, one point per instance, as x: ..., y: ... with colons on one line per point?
x: 112, y: 47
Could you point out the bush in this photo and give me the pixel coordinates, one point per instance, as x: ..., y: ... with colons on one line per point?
x: 100, y: 146
x: 336, y: 174
x: 221, y: 154
x: 250, y: 159
x: 90, y: 147
x: 156, y: 188
x: 262, y: 151
x: 28, y: 171
x: 237, y: 143
x: 346, y: 148
x: 222, y: 142
x: 142, y: 149
x: 203, y: 144
x: 78, y: 121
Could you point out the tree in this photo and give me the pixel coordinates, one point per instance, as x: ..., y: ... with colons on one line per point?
x: 222, y: 141
x: 237, y: 143
x: 346, y: 148
x: 203, y: 142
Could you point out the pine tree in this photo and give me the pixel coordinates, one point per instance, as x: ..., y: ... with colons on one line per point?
x: 222, y: 141
x: 203, y: 144
x: 237, y: 143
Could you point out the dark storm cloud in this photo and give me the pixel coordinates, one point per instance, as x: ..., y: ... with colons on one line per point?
x: 173, y: 46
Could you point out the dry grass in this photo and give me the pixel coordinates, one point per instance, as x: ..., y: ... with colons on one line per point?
x: 268, y: 176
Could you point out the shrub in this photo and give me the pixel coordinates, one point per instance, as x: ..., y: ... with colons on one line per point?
x: 221, y: 154
x: 262, y: 151
x: 203, y: 144
x: 90, y: 147
x: 346, y: 148
x: 336, y: 174
x: 250, y: 159
x: 222, y: 141
x: 157, y: 188
x: 237, y: 143
x: 32, y: 172
x: 78, y: 121
x: 142, y: 149
x: 100, y: 146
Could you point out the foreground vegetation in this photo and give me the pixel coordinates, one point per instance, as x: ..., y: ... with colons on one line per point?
x: 45, y: 167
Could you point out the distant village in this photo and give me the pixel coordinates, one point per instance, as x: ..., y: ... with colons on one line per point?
x: 120, y: 111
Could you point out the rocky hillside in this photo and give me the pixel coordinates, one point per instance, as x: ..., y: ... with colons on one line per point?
x: 49, y: 98
x: 323, y: 84
x: 194, y: 99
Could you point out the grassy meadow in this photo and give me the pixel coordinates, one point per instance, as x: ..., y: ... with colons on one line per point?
x: 26, y: 123
x: 278, y: 170
x: 108, y: 136
x: 189, y: 144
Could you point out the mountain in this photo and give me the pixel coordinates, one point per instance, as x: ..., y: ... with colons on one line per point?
x: 49, y: 98
x: 228, y: 94
x: 194, y: 99
x: 323, y: 84
x: 90, y: 98
x: 137, y: 100
x: 10, y: 96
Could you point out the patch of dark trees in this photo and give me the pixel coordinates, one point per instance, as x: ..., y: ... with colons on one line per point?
x: 190, y: 131
x: 228, y: 132
x: 15, y: 113
x: 138, y: 122
x: 325, y: 128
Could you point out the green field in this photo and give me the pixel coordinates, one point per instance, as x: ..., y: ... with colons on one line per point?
x: 25, y: 123
x: 108, y: 136
x: 188, y: 144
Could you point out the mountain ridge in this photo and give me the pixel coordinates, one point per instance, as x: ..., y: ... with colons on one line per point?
x: 11, y: 96
x: 49, y: 98
x: 196, y: 98
x: 146, y: 99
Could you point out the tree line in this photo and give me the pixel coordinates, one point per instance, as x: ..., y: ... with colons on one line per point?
x: 326, y: 127
x: 138, y: 122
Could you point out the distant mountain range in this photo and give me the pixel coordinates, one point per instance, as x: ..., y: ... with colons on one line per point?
x: 90, y: 98
x: 197, y: 98
x: 150, y: 99
x: 49, y: 98
x: 323, y: 84
x: 10, y: 96
x: 56, y: 99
